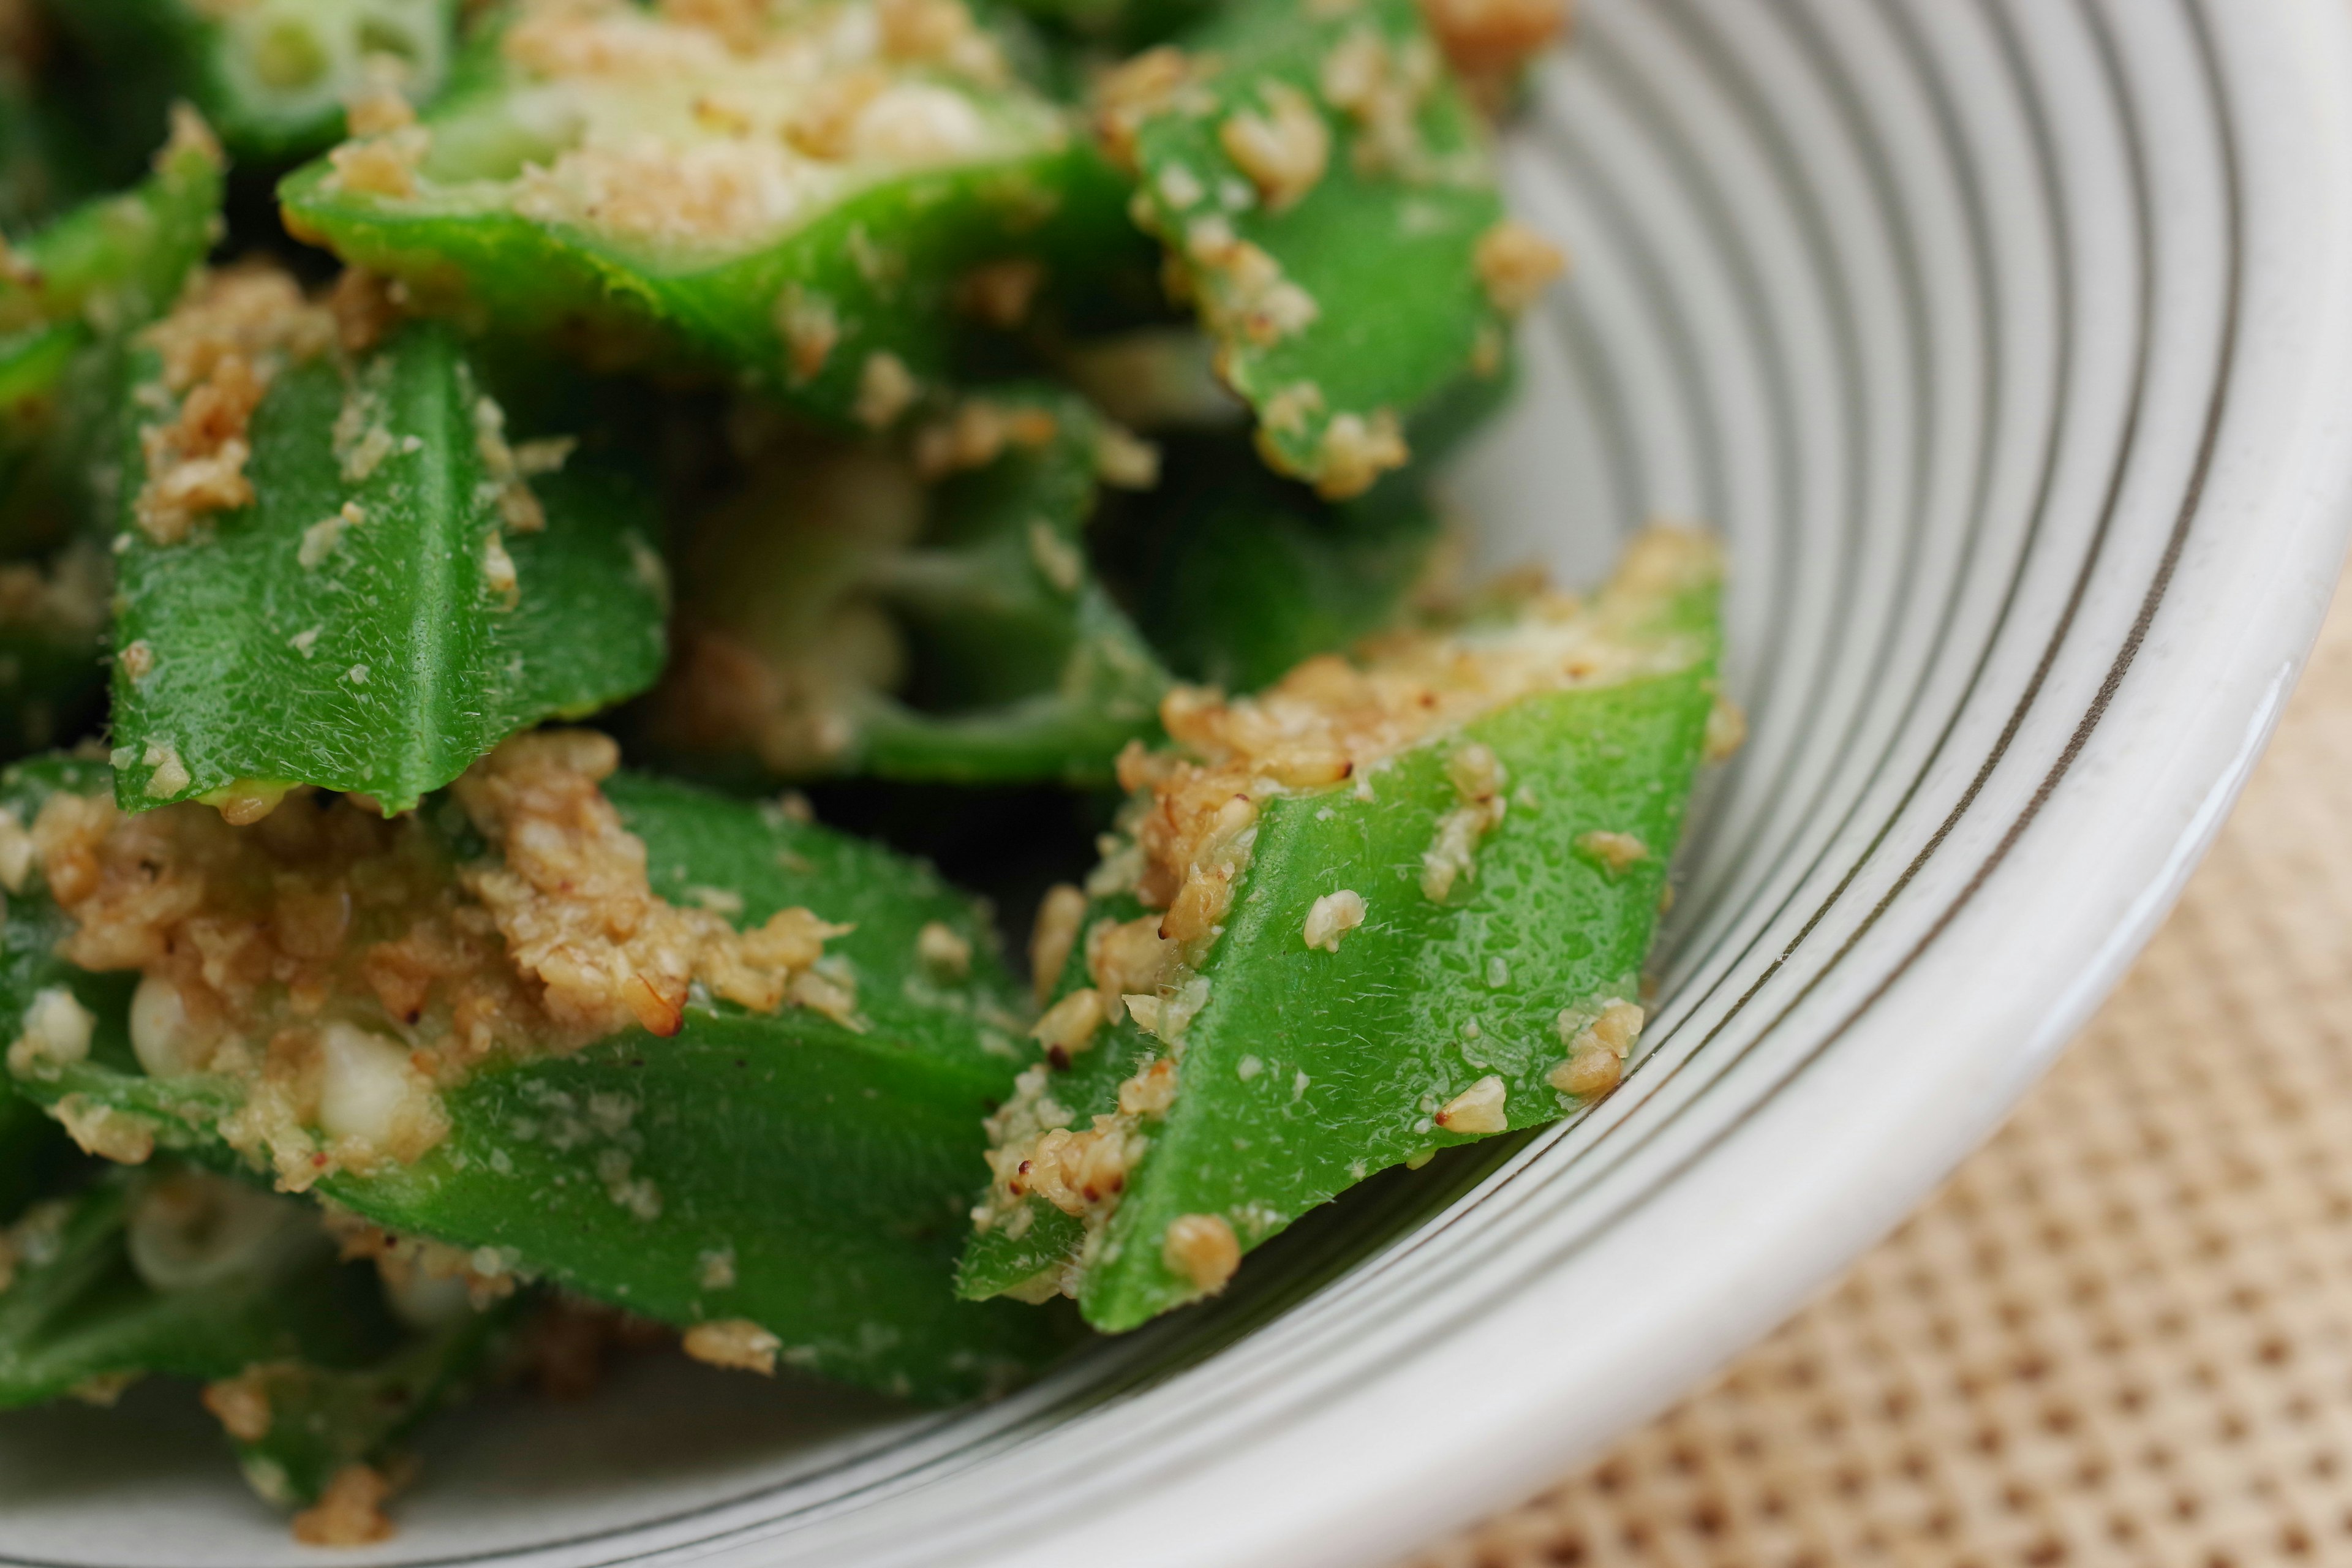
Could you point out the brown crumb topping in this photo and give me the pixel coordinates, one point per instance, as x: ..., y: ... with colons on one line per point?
x: 221, y: 347
x: 1283, y: 145
x: 1490, y: 41
x: 1515, y: 265
x: 342, y: 971
x: 1203, y: 1249
x: 737, y: 1344
x: 350, y: 1512
x: 718, y: 124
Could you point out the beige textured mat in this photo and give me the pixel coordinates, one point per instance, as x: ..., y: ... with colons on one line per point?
x: 2123, y: 1333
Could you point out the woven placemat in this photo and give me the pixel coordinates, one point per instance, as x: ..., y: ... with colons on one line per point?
x: 2121, y: 1334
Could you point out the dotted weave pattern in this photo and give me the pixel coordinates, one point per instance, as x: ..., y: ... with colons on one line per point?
x: 2121, y: 1334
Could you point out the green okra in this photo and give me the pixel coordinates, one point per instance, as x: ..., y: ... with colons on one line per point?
x: 1237, y: 575
x: 322, y: 1419
x: 113, y: 262
x: 272, y: 76
x: 176, y: 1272
x: 701, y: 199
x: 1447, y: 945
x: 843, y: 616
x: 1327, y: 196
x: 790, y: 1177
x: 69, y: 294
x: 400, y: 595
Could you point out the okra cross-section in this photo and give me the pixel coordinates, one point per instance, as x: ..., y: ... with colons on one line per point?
x: 815, y: 198
x: 174, y: 1271
x: 687, y: 1055
x: 337, y: 569
x: 926, y: 612
x: 273, y: 76
x: 1326, y: 196
x: 1373, y: 912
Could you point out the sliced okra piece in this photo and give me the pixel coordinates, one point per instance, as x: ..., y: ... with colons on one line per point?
x: 116, y: 261
x: 815, y: 199
x: 370, y: 585
x: 174, y: 1271
x: 1326, y: 196
x: 930, y: 614
x: 298, y: 1427
x: 1373, y: 912
x: 274, y: 76
x: 682, y: 1054
x: 1237, y: 575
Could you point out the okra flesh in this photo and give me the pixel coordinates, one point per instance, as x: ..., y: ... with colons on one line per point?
x: 81, y: 1309
x: 785, y: 1169
x: 1340, y: 343
x: 374, y: 632
x: 272, y: 76
x: 1306, y: 1070
x: 535, y: 202
x: 945, y: 632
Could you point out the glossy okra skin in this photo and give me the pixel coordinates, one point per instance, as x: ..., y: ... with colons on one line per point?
x: 391, y: 658
x: 81, y: 1308
x: 1349, y: 333
x: 806, y: 1175
x: 808, y: 314
x: 1306, y: 1069
x: 272, y: 76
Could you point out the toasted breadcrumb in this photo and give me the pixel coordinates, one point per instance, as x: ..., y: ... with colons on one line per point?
x: 1490, y: 41
x: 716, y: 125
x: 1054, y: 936
x: 943, y: 952
x: 1515, y: 265
x: 1001, y: 292
x: 1203, y: 1249
x: 1726, y: 729
x: 1282, y: 147
x: 241, y: 1404
x: 810, y: 328
x: 1617, y: 853
x: 1333, y: 916
x: 381, y: 164
x: 221, y: 348
x: 350, y: 1512
x: 886, y: 389
x: 738, y: 1343
x: 1476, y: 1110
x: 342, y: 972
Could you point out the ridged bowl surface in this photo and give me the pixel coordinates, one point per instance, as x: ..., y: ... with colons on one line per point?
x: 2009, y: 342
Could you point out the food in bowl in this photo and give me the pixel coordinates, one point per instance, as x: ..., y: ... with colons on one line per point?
x: 986, y: 421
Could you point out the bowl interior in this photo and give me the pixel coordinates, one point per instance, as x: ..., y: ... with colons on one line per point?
x: 1934, y: 309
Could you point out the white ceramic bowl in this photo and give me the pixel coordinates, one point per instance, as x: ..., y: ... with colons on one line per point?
x: 2012, y: 342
